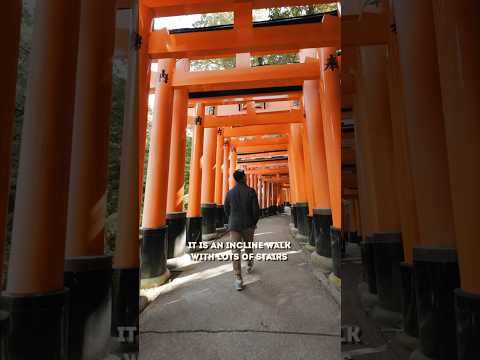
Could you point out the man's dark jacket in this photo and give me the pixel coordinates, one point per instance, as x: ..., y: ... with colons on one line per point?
x: 241, y: 207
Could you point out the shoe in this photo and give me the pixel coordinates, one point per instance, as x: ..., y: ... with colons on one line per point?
x: 250, y: 267
x: 238, y: 284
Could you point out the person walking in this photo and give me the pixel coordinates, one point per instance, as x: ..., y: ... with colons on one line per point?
x: 241, y: 207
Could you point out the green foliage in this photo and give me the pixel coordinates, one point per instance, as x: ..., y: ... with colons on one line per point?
x: 212, y: 64
x: 275, y: 59
x: 188, y: 155
x: 214, y: 19
x: 115, y: 152
x: 294, y: 11
x: 22, y: 76
x: 116, y: 129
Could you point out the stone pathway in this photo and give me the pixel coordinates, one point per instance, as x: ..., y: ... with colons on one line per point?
x: 284, y: 313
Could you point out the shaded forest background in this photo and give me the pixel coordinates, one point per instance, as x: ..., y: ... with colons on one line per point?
x: 119, y: 80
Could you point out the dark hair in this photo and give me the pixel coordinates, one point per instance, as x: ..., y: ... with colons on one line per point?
x: 239, y: 175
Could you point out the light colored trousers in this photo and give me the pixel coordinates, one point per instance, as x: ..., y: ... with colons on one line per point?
x: 238, y: 236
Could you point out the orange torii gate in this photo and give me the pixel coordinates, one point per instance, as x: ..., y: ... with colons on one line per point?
x: 285, y: 128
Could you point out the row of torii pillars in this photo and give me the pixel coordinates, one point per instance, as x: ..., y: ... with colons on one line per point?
x: 64, y: 297
x: 58, y: 298
x: 313, y: 153
x: 417, y: 141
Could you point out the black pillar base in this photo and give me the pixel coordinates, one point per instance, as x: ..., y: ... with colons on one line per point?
x: 387, y: 256
x: 321, y: 222
x: 309, y: 226
x: 336, y: 238
x: 353, y: 237
x: 368, y: 263
x: 409, y: 304
x: 344, y: 239
x: 301, y: 214
x: 294, y: 215
x: 208, y: 218
x: 194, y: 230
x: 153, y: 253
x: 219, y: 216
x: 311, y: 236
x: 4, y: 331
x: 176, y: 243
x: 125, y: 294
x: 38, y: 325
x: 436, y: 278
x: 90, y: 282
x: 467, y: 309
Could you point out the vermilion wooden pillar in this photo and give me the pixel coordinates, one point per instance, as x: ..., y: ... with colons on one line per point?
x: 260, y: 198
x: 158, y: 163
x: 194, y: 217
x: 274, y: 197
x: 89, y: 161
x: 208, y: 166
x: 309, y: 186
x: 293, y: 193
x: 266, y: 184
x: 403, y: 183
x: 178, y: 143
x: 126, y: 262
x: 219, y: 217
x: 12, y: 12
x: 49, y: 123
x: 378, y: 164
x: 226, y: 167
x: 308, y: 173
x: 263, y: 191
x: 296, y: 156
x: 208, y: 206
x: 457, y: 34
x: 330, y: 99
x: 377, y: 137
x: 403, y: 173
x: 366, y: 206
x: 176, y: 217
x: 85, y: 263
x: 458, y: 53
x: 233, y: 166
x: 301, y: 207
x: 36, y: 264
x: 145, y: 24
x: 154, y: 225
x: 436, y: 258
x: 426, y: 137
x: 322, y: 214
